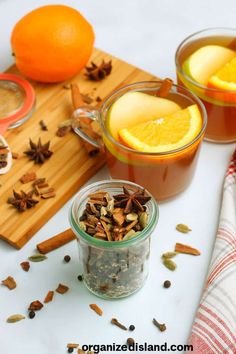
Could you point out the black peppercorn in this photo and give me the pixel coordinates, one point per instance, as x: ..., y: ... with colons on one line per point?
x: 130, y: 341
x: 131, y: 327
x: 167, y: 284
x: 31, y: 314
x: 67, y: 258
x: 80, y: 277
x: 70, y: 350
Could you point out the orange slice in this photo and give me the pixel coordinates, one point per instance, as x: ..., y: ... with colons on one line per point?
x: 225, y: 79
x: 164, y: 134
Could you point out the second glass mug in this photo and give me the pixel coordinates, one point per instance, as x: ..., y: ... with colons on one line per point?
x: 164, y: 174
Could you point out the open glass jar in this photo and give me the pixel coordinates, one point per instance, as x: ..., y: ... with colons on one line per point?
x: 113, y: 269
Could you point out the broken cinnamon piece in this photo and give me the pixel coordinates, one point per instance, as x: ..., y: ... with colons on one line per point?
x: 118, y: 216
x: 56, y: 241
x: 164, y: 88
x: 39, y: 181
x: 62, y: 289
x: 35, y: 306
x: 107, y: 231
x: 15, y: 155
x: 86, y: 98
x: 49, y: 297
x: 42, y: 185
x: 25, y: 266
x: 62, y: 131
x: 96, y: 309
x: 180, y: 248
x: 28, y: 177
x: 48, y: 195
x: 9, y: 282
x: 46, y: 191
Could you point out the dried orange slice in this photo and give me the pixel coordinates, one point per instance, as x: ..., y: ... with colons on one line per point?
x: 164, y: 134
x: 225, y: 79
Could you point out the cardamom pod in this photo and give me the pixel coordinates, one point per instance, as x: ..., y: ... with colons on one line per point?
x: 131, y: 217
x: 38, y: 257
x: 82, y: 225
x: 183, y: 228
x: 15, y: 318
x: 168, y: 263
x: 143, y: 219
x: 168, y: 255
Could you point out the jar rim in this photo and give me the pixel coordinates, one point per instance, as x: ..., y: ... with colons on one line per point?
x: 186, y: 76
x: 144, y: 84
x: 153, y: 218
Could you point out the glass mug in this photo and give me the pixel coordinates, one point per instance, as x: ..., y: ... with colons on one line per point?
x: 164, y: 174
x: 113, y: 269
x: 219, y: 103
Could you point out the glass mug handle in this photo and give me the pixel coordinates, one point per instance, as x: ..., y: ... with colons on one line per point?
x: 88, y: 113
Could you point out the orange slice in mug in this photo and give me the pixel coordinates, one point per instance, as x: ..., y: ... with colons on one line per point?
x: 164, y: 134
x: 225, y: 79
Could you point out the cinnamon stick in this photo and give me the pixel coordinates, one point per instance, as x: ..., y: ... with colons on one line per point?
x: 56, y: 241
x: 164, y: 88
x: 86, y: 123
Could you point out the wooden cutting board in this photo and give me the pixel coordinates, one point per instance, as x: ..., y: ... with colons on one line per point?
x: 69, y: 167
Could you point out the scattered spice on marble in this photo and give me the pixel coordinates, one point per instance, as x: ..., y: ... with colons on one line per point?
x: 35, y: 306
x: 180, y: 248
x: 168, y: 263
x: 80, y: 277
x: 62, y: 289
x: 168, y: 255
x: 37, y: 257
x: 28, y: 177
x: 130, y: 341
x: 81, y: 351
x: 183, y: 228
x: 96, y: 72
x: 96, y: 309
x: 38, y: 152
x: 131, y: 328
x: 49, y: 297
x: 15, y: 318
x: 160, y: 326
x: 43, y: 125
x: 70, y: 350
x: 31, y: 314
x: 25, y: 266
x: 22, y: 200
x: 167, y: 284
x: 9, y: 282
x: 115, y: 322
x: 67, y: 258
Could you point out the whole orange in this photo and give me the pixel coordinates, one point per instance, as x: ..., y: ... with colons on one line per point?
x: 52, y: 43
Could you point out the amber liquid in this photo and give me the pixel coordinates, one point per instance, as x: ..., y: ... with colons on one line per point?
x: 221, y: 126
x: 164, y: 176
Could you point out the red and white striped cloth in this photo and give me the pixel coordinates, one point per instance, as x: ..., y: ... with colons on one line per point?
x: 214, y: 328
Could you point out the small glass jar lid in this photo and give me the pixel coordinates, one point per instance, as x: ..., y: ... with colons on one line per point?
x: 17, y: 101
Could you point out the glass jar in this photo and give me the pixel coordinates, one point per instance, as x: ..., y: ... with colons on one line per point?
x: 17, y: 101
x: 165, y: 174
x: 220, y: 103
x: 113, y: 269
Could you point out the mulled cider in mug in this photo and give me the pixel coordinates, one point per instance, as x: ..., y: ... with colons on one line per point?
x: 152, y: 133
x: 206, y: 65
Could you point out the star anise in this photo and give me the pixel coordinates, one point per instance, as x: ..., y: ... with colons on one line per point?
x: 99, y: 72
x: 22, y: 200
x: 131, y: 201
x: 39, y: 152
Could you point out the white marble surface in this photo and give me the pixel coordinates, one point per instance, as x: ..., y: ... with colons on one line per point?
x: 145, y: 33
